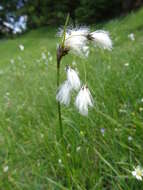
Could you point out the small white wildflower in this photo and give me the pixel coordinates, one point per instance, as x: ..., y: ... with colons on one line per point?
x: 126, y: 64
x: 68, y: 155
x: 122, y: 111
x: 130, y: 138
x: 142, y: 100
x: 140, y: 109
x: 60, y: 161
x: 73, y: 78
x: 43, y: 56
x: 138, y: 173
x: 78, y: 149
x: 42, y: 135
x: 101, y: 38
x: 21, y: 47
x: 7, y: 93
x: 131, y: 36
x: 5, y: 169
x: 64, y: 93
x: 12, y: 61
x: 76, y: 40
x: 84, y: 100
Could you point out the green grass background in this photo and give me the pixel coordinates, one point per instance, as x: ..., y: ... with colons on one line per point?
x: 29, y: 130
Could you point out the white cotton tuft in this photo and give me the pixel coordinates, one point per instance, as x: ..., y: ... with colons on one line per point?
x: 64, y: 93
x: 101, y: 38
x: 84, y: 100
x: 76, y: 44
x: 73, y: 78
x: 76, y: 40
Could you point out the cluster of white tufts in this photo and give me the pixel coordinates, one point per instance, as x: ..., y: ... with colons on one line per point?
x: 83, y: 99
x: 77, y: 40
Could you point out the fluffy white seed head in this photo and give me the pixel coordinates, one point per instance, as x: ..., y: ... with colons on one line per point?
x: 76, y: 40
x: 64, y: 93
x: 101, y: 38
x: 73, y: 78
x: 84, y: 100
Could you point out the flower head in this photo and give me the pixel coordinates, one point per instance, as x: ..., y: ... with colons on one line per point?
x: 131, y: 36
x: 5, y: 168
x: 138, y: 173
x: 73, y: 79
x: 44, y: 57
x: 76, y: 40
x: 64, y: 93
x: 84, y: 100
x: 101, y: 38
x: 130, y: 138
x: 21, y: 47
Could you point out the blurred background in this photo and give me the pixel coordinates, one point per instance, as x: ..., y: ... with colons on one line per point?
x: 17, y: 16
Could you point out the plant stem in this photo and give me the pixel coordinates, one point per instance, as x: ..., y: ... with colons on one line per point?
x: 64, y: 32
x: 60, y: 53
x: 58, y: 81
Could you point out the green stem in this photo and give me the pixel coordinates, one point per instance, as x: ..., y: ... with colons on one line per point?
x: 85, y: 74
x: 60, y: 53
x: 64, y: 32
x: 58, y: 81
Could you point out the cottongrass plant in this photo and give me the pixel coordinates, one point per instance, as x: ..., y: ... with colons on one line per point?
x: 76, y: 41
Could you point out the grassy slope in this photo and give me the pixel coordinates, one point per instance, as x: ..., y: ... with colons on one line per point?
x: 28, y: 114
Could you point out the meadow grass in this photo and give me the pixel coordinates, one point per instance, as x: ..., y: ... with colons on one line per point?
x: 29, y: 131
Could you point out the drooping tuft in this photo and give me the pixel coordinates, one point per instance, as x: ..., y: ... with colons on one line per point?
x: 84, y: 100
